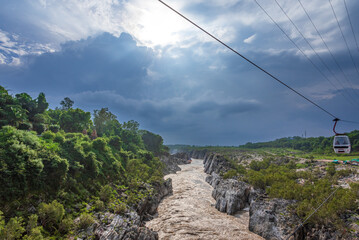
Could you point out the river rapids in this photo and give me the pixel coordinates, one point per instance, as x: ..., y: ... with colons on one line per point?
x: 190, y: 213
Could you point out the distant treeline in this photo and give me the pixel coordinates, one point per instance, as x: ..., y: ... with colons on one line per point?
x: 312, y: 144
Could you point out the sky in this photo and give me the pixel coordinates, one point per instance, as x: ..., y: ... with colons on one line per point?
x: 146, y: 63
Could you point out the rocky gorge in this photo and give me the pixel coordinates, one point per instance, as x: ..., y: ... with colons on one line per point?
x: 180, y: 217
x: 269, y: 218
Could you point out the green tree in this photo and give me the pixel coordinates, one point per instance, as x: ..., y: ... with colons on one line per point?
x: 11, y: 112
x: 75, y: 120
x: 41, y: 103
x: 20, y: 165
x: 106, y: 123
x: 67, y: 103
x: 153, y: 142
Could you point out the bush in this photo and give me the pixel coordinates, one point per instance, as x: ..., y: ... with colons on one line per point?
x: 331, y: 169
x: 59, y: 138
x: 230, y: 174
x: 106, y: 193
x: 25, y: 126
x: 48, y: 135
x: 66, y: 225
x: 54, y: 128
x: 85, y: 221
x: 99, y: 144
x: 258, y: 165
x: 13, y: 229
x: 99, y: 205
x: 39, y: 128
x: 51, y: 214
x: 32, y: 223
x: 115, y: 141
x: 120, y: 208
x: 35, y: 234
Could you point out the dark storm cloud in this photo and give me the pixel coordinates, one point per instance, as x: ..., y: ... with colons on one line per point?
x: 100, y: 63
x: 201, y: 94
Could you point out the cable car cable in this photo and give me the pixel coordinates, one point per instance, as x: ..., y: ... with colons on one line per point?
x: 316, y: 53
x: 254, y: 64
x: 346, y: 43
x: 304, y: 54
x: 351, y: 25
x: 251, y: 62
x: 300, y: 225
x: 326, y: 45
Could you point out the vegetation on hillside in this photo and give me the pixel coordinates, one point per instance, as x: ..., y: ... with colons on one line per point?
x: 60, y: 164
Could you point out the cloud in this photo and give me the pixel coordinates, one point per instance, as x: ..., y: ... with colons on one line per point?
x: 250, y: 39
x: 12, y: 49
x: 146, y: 63
x: 46, y: 24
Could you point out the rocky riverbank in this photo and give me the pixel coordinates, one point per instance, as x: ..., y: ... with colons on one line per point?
x: 269, y: 218
x: 171, y: 162
x: 131, y: 224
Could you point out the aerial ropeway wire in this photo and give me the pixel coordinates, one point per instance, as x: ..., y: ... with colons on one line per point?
x: 351, y: 25
x: 251, y: 62
x: 346, y: 43
x: 327, y: 47
x: 304, y: 54
x: 316, y: 53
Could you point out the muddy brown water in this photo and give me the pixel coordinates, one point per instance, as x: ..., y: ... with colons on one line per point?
x: 190, y: 213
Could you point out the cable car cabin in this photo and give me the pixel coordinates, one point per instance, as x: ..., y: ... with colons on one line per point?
x: 341, y: 144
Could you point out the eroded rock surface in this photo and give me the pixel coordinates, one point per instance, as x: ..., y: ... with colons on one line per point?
x: 271, y: 219
x: 171, y: 162
x: 231, y: 195
x: 215, y: 163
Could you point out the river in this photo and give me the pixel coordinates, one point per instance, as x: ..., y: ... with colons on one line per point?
x: 190, y: 213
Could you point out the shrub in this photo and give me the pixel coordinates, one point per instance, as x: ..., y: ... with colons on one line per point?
x: 59, y: 138
x: 85, y: 220
x: 115, y: 141
x: 39, y: 127
x: 106, y: 193
x: 230, y: 174
x: 13, y: 229
x: 99, y: 144
x: 66, y: 225
x: 48, y: 135
x: 35, y: 234
x: 258, y: 165
x: 120, y: 208
x: 331, y: 169
x: 99, y: 205
x: 54, y: 128
x: 25, y: 126
x: 32, y: 223
x: 51, y: 214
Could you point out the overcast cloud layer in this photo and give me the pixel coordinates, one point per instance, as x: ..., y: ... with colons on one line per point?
x: 145, y: 63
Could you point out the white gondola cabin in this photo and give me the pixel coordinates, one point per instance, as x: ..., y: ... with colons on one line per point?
x: 341, y: 144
